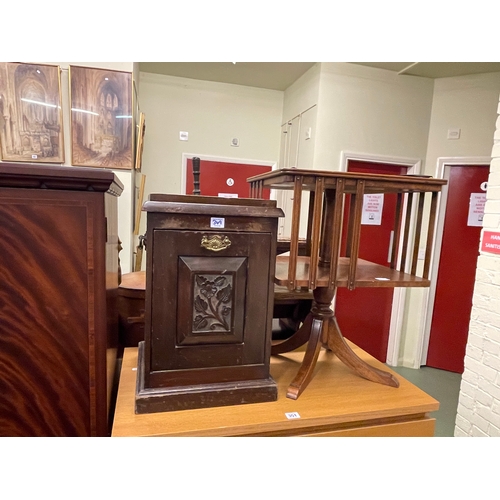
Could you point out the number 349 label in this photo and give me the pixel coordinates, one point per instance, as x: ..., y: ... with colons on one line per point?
x: 217, y: 222
x: 292, y: 415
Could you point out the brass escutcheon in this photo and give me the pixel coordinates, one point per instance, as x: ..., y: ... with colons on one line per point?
x: 215, y: 243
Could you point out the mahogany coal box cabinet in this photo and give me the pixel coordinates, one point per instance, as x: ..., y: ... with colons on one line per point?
x: 209, y: 303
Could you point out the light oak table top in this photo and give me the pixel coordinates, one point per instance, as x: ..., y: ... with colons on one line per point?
x: 337, y: 402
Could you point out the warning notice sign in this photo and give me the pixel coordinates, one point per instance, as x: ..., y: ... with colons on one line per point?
x: 476, y: 209
x: 372, y: 209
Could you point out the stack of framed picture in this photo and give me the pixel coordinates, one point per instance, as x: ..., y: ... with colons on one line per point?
x: 104, y: 125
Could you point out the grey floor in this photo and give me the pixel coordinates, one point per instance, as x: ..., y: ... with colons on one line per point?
x: 441, y: 385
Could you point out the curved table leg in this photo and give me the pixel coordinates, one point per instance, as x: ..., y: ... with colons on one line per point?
x: 340, y: 347
x: 305, y: 373
x: 298, y: 339
x: 319, y: 328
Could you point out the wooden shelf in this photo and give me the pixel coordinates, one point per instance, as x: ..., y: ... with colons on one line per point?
x: 368, y: 274
x: 328, y: 192
x: 374, y: 183
x: 337, y: 403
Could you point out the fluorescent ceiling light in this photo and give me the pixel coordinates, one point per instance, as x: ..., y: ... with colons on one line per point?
x: 39, y: 102
x: 123, y: 116
x: 85, y: 111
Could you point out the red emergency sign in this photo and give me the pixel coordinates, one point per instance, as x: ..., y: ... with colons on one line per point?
x: 491, y: 242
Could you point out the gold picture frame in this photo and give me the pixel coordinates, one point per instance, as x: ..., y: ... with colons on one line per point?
x: 138, y: 204
x: 31, y: 127
x: 140, y: 141
x: 101, y: 118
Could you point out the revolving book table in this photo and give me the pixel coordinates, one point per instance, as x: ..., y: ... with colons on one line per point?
x: 329, y: 264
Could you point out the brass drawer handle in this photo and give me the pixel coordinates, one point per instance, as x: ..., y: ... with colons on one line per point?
x: 215, y: 243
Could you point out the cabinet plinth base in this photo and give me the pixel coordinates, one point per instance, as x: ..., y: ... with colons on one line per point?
x: 163, y: 399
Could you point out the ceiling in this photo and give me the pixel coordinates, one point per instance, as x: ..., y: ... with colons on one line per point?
x: 436, y: 69
x: 280, y: 75
x: 268, y: 75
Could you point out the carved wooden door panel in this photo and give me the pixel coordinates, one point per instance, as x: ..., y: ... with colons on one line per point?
x: 209, y: 308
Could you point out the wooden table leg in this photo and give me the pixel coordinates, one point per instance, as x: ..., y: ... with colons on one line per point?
x: 320, y: 327
x: 316, y: 328
x: 339, y: 346
x: 305, y: 373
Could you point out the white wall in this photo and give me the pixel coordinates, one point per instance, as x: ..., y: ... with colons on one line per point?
x: 302, y: 94
x: 468, y: 103
x: 300, y: 111
x: 212, y: 113
x: 479, y: 401
x: 362, y: 110
x: 373, y: 111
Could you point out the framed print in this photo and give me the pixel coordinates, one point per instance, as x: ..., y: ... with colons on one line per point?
x: 140, y: 141
x: 31, y: 127
x: 138, y: 203
x: 101, y: 118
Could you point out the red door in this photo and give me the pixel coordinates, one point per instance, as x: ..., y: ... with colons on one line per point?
x: 457, y: 270
x: 364, y: 314
x: 224, y: 179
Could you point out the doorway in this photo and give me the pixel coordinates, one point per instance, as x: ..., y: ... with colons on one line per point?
x: 224, y: 177
x: 455, y: 267
x: 364, y: 314
x: 397, y: 315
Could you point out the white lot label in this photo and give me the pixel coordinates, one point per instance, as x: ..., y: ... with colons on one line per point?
x: 217, y: 222
x: 292, y: 415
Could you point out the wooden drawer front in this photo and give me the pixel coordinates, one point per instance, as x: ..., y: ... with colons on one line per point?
x: 207, y: 305
x: 412, y: 428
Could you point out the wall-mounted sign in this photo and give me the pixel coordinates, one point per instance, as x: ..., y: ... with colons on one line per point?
x: 476, y: 209
x: 227, y: 195
x: 372, y: 209
x: 491, y: 242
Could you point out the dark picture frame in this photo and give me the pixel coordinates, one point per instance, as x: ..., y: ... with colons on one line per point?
x: 31, y: 126
x: 101, y: 118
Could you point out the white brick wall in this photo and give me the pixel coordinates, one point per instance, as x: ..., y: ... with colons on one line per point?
x: 479, y: 402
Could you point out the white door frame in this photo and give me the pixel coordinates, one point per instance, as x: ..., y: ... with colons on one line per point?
x: 223, y: 159
x: 443, y: 168
x: 398, y: 303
